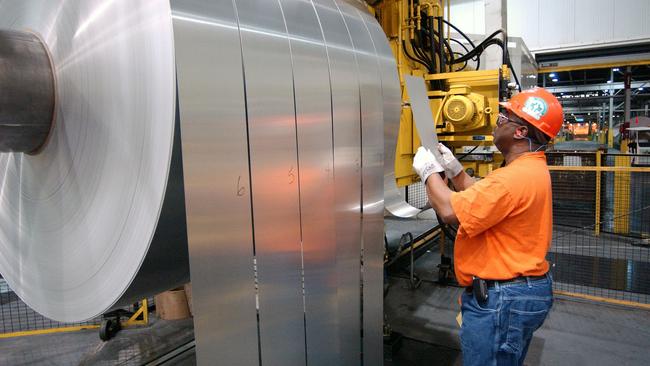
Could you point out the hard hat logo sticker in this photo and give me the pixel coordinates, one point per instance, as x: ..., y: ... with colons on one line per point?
x: 535, y: 107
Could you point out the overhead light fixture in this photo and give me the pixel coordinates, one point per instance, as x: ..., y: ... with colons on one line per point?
x: 641, y: 88
x: 551, y: 75
x: 554, y: 80
x: 609, y: 81
x: 615, y: 69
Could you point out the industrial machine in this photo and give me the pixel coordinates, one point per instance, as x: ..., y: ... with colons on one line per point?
x: 463, y: 98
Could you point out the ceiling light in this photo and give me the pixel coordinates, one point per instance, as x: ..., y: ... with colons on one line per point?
x: 554, y: 80
x: 609, y: 81
x: 641, y: 88
x: 615, y: 69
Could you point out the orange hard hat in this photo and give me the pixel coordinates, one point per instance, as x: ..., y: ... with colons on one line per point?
x: 539, y: 108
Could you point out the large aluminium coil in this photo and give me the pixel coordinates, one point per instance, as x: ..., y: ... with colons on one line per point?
x: 263, y: 117
x: 96, y: 219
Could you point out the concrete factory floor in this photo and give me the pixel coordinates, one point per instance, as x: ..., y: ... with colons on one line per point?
x: 136, y: 346
x: 575, y: 333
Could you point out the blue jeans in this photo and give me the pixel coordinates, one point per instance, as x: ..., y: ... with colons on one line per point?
x: 499, y: 330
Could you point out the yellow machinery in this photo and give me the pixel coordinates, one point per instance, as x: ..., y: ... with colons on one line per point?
x: 464, y: 103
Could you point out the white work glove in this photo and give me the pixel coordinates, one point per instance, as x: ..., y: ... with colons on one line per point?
x: 452, y: 166
x: 425, y: 163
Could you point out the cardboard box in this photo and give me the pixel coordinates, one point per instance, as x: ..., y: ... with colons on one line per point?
x: 172, y: 305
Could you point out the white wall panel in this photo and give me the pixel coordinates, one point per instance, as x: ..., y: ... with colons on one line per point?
x: 594, y: 21
x: 468, y: 15
x: 555, y: 22
x: 523, y: 20
x: 545, y: 24
x: 630, y: 19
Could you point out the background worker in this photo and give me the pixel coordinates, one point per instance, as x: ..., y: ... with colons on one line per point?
x: 505, y: 231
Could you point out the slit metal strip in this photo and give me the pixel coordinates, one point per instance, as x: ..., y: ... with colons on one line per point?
x: 372, y: 146
x: 211, y: 93
x: 315, y: 153
x: 393, y: 199
x: 274, y: 177
x: 347, y: 176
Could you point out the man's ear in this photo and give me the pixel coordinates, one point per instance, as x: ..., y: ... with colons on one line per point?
x: 521, y: 132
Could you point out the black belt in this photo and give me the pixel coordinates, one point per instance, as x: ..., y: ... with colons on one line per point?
x: 522, y: 279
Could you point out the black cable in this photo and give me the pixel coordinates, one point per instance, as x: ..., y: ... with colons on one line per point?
x: 467, y: 153
x: 446, y: 44
x: 514, y: 74
x: 478, y: 50
x: 406, y: 52
x: 490, y: 40
x: 464, y: 65
x: 477, y: 59
x: 471, y: 43
x: 460, y: 32
x: 419, y: 53
x: 441, y: 49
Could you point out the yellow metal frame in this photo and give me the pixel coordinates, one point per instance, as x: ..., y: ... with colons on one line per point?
x: 598, y: 189
x: 47, y: 331
x: 142, y: 313
x: 604, y: 299
x: 545, y: 70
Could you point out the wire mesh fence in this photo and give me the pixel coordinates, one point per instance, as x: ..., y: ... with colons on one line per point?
x: 17, y: 317
x: 416, y: 195
x: 601, y: 212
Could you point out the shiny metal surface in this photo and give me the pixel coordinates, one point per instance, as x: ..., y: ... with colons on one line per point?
x: 215, y: 152
x: 422, y: 113
x: 274, y: 180
x: 372, y: 147
x: 27, y: 71
x: 313, y: 98
x: 78, y: 219
x: 347, y: 177
x: 394, y: 201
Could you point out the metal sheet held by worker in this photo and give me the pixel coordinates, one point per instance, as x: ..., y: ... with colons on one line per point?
x: 215, y: 152
x: 393, y: 199
x: 316, y: 177
x: 274, y: 180
x: 78, y: 219
x: 372, y: 146
x: 422, y: 113
x: 347, y: 177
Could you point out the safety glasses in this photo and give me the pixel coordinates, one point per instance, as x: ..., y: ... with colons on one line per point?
x: 503, y: 119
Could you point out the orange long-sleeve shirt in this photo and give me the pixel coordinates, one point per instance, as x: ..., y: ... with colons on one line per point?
x: 506, y: 222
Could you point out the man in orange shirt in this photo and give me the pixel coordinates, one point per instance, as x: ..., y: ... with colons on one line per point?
x: 506, y: 222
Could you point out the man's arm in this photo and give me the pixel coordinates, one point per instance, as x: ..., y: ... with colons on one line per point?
x: 462, y: 181
x: 440, y: 198
x: 454, y: 169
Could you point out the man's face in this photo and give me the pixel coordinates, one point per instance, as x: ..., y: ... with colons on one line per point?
x: 503, y: 133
